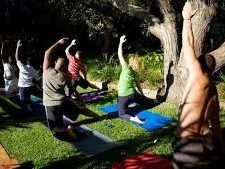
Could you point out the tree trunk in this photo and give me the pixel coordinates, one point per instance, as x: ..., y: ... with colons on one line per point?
x: 106, y: 44
x: 175, y: 71
x: 200, y: 26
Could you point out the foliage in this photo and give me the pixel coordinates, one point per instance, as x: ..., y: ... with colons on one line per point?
x: 150, y: 72
x: 102, y: 71
x: 221, y: 86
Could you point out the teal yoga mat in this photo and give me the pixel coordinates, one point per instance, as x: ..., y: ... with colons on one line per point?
x: 94, y: 143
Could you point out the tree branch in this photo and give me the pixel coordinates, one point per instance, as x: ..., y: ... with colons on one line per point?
x: 219, y: 55
x: 134, y: 10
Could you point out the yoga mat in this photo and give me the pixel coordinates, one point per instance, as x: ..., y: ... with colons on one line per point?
x: 94, y: 143
x: 93, y: 96
x: 152, y: 120
x: 145, y: 160
x: 37, y: 105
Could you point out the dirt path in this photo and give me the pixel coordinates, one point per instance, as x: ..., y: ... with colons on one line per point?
x: 5, y: 161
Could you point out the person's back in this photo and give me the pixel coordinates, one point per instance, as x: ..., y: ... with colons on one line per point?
x: 198, y: 139
x: 199, y: 105
x: 53, y: 87
x: 26, y: 74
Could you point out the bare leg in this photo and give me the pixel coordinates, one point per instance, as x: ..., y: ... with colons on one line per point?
x: 85, y: 111
x: 71, y: 132
x: 93, y: 86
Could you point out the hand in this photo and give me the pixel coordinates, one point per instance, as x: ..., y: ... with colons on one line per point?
x: 2, y: 42
x: 188, y: 12
x: 63, y: 40
x: 73, y: 42
x: 19, y: 43
x: 123, y: 39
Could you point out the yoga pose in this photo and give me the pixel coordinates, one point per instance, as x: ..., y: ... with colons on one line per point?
x: 76, y: 68
x: 56, y: 104
x: 27, y: 74
x: 126, y: 87
x: 198, y: 137
x: 10, y: 69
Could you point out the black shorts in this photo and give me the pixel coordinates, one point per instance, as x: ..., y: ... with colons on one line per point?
x: 81, y: 82
x: 194, y: 152
x: 55, y: 114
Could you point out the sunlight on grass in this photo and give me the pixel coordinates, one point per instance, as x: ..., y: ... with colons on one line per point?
x: 34, y: 143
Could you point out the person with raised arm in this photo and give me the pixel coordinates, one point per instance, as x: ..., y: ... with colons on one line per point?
x: 27, y: 74
x: 9, y: 74
x: 76, y: 68
x: 127, y: 94
x: 56, y: 103
x: 198, y: 136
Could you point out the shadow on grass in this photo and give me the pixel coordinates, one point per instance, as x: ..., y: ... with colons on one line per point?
x: 106, y: 159
x: 109, y: 96
x: 10, y: 115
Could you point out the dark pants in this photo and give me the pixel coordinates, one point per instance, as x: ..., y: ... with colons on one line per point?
x: 80, y: 82
x: 124, y: 101
x: 25, y: 93
x: 55, y: 114
x: 194, y: 153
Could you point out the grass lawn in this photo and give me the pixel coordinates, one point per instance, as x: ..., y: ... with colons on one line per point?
x: 30, y: 142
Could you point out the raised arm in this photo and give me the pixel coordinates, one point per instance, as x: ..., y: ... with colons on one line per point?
x: 49, y: 51
x: 1, y: 54
x: 71, y: 44
x: 120, y: 50
x: 188, y: 40
x: 19, y: 44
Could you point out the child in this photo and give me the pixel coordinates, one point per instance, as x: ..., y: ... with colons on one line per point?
x: 126, y: 87
x: 9, y: 75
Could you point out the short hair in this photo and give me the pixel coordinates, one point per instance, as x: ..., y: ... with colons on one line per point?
x: 80, y: 53
x: 72, y: 50
x: 207, y: 62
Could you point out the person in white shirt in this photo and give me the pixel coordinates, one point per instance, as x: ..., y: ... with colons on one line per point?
x: 9, y: 75
x: 26, y: 76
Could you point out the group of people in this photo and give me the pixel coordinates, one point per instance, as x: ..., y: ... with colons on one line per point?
x: 198, y: 137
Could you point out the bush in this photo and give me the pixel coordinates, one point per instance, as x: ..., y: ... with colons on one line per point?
x: 150, y: 72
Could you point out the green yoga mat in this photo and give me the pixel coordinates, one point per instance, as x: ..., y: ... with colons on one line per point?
x: 94, y: 143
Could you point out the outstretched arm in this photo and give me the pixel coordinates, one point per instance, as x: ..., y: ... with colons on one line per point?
x: 188, y: 40
x: 120, y: 50
x: 49, y: 51
x: 19, y: 44
x: 71, y: 44
x: 1, y: 54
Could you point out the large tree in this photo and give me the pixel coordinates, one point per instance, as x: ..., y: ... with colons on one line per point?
x: 163, y: 21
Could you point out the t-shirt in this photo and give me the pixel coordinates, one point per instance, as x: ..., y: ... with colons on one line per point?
x: 74, y: 67
x: 9, y: 71
x: 53, y: 87
x: 126, y: 81
x: 11, y: 81
x: 26, y: 75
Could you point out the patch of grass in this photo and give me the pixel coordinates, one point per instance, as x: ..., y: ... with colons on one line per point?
x: 30, y: 140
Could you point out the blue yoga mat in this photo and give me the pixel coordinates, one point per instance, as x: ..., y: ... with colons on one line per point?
x: 152, y: 120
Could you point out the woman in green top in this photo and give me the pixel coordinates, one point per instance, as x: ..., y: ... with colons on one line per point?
x: 126, y: 87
